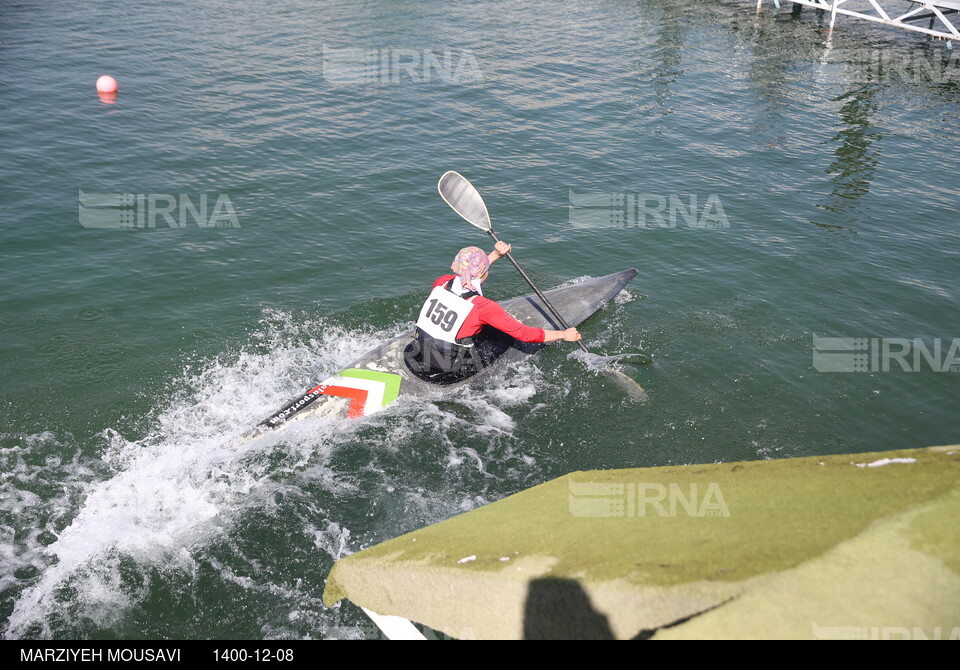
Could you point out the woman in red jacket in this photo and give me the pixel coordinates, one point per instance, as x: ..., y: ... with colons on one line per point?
x: 459, y: 331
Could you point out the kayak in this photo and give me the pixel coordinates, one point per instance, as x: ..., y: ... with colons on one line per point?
x: 376, y: 379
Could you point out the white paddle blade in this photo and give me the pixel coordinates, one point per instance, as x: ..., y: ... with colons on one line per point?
x: 460, y: 194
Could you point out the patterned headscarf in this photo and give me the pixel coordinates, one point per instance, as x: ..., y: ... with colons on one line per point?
x: 470, y: 264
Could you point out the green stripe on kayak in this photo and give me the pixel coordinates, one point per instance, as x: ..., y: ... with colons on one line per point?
x: 391, y: 382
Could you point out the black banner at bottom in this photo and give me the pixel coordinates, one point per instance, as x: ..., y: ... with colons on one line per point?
x: 159, y: 651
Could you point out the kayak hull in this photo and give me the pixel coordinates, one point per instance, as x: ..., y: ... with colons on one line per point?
x: 380, y: 376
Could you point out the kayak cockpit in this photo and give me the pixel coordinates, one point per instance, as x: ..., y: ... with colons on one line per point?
x: 488, y: 346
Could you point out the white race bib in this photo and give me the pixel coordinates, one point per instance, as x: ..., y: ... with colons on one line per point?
x: 442, y: 315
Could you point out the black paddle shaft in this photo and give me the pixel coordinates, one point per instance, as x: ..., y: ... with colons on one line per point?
x: 543, y: 298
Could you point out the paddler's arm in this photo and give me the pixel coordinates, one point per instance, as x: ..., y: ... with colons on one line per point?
x: 507, y: 324
x: 500, y: 250
x: 489, y: 312
x: 569, y: 335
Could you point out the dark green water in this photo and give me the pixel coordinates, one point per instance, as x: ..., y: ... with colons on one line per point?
x: 131, y: 358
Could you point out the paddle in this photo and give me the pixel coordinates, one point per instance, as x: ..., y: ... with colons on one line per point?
x: 465, y: 200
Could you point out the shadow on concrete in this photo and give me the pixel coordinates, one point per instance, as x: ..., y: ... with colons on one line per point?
x: 559, y: 609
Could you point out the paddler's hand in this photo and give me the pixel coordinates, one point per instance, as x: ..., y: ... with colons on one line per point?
x: 568, y: 335
x: 500, y: 250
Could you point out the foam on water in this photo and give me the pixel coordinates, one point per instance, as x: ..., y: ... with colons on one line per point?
x: 154, y: 503
x: 40, y: 476
x: 179, y: 485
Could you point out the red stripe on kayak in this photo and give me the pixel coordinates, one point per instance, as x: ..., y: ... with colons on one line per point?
x: 358, y: 399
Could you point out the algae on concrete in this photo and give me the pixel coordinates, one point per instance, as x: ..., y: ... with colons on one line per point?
x: 832, y: 546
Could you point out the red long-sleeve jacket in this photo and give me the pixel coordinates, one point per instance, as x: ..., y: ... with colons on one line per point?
x: 486, y: 311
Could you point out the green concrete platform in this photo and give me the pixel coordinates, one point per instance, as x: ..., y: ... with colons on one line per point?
x: 861, y: 546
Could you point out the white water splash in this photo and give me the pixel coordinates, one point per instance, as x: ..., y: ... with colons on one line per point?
x: 181, y: 485
x: 608, y: 366
x: 154, y: 503
x: 333, y: 540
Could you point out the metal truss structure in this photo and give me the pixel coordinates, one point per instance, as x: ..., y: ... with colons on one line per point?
x: 911, y: 15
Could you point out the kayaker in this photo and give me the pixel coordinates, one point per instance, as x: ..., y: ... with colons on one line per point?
x: 445, y: 348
